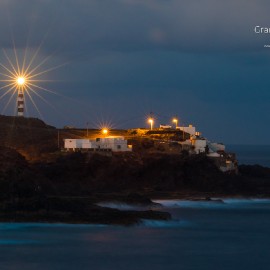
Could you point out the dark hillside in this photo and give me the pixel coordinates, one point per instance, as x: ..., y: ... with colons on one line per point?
x: 34, y: 139
x: 29, y: 136
x: 77, y: 174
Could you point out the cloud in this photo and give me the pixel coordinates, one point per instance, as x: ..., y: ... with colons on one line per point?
x: 197, y: 57
x: 126, y: 25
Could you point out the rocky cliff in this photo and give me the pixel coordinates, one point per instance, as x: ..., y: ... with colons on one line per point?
x: 34, y: 188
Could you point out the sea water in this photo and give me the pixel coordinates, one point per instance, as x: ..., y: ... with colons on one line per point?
x: 251, y: 154
x: 234, y: 234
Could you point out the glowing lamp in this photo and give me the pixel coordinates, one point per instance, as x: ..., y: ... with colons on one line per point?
x: 20, y: 81
x: 151, y: 122
x: 105, y: 131
x: 175, y: 120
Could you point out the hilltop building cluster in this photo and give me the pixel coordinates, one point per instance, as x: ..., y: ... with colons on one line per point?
x: 187, y: 138
x: 165, y: 138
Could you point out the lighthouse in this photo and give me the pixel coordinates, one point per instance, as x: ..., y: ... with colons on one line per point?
x: 20, y: 97
x: 20, y: 103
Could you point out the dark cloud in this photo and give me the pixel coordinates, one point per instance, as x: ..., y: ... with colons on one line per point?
x: 192, y: 26
x: 199, y: 59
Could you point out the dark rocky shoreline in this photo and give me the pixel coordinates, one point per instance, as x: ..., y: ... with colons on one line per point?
x: 40, y: 184
x: 69, y: 189
x: 72, y: 210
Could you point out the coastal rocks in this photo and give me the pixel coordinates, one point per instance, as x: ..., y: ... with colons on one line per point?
x: 254, y: 171
x: 17, y: 177
x: 206, y: 199
x: 131, y: 175
x: 72, y: 210
x: 129, y: 201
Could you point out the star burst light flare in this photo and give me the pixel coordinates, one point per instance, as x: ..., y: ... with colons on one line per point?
x: 23, y: 80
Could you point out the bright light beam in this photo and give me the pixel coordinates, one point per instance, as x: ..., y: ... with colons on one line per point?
x: 26, y: 91
x: 11, y: 97
x: 14, y: 69
x: 24, y: 78
x: 8, y: 91
x: 21, y: 81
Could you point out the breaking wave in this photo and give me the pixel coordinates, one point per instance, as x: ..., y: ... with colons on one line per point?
x: 216, y: 203
x: 166, y: 224
x: 122, y: 206
x: 245, y: 201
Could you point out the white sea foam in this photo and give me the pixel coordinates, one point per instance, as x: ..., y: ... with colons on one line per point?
x: 216, y: 203
x: 166, y: 224
x: 245, y: 200
x: 123, y: 206
x: 190, y: 204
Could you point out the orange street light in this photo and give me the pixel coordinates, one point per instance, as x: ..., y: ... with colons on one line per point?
x: 175, y: 120
x: 105, y: 131
x: 151, y: 122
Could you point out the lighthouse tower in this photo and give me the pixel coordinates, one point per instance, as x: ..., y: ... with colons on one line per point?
x: 20, y: 98
x: 20, y: 102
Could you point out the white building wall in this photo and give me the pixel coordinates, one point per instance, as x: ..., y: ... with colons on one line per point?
x: 190, y: 129
x: 87, y: 145
x: 165, y: 126
x: 77, y: 143
x: 116, y: 144
x: 214, y: 147
x: 199, y: 145
x: 70, y: 143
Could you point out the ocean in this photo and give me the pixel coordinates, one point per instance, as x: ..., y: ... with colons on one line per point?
x: 229, y: 235
x: 202, y: 235
x: 251, y: 154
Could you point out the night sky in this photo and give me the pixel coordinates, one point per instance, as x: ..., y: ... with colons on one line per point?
x: 122, y: 59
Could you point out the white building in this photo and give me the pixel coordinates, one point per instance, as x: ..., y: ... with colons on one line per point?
x: 165, y: 126
x: 190, y: 129
x: 215, y: 147
x: 78, y: 144
x: 112, y: 143
x: 199, y: 145
x: 115, y: 143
